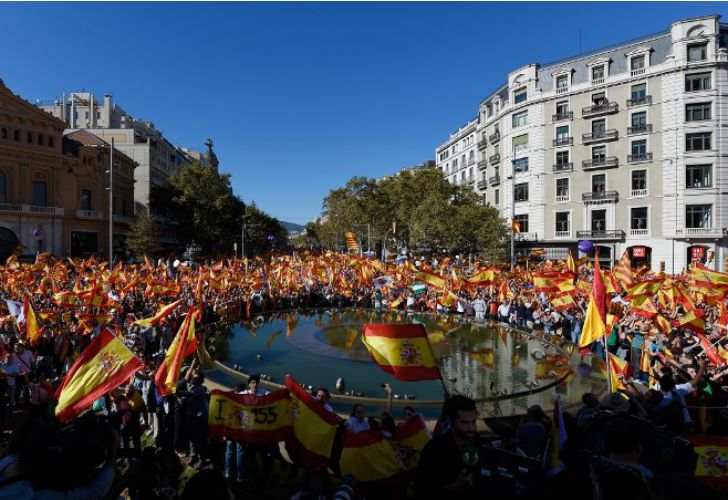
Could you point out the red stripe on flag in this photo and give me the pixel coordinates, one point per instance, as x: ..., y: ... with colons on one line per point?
x: 408, y: 331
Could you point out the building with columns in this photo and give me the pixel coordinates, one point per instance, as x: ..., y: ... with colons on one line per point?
x: 623, y: 146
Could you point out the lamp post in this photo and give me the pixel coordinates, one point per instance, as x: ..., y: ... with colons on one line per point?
x: 110, y: 189
x: 384, y: 246
x: 513, y: 208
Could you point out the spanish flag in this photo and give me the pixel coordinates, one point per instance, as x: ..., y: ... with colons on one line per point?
x: 249, y: 418
x: 351, y: 244
x: 314, y: 428
x: 570, y: 264
x: 32, y: 332
x: 369, y: 456
x: 596, y: 313
x: 162, y: 313
x: 184, y: 344
x: 103, y: 366
x: 431, y: 279
x: 401, y: 350
x: 710, y: 467
x: 694, y: 320
x: 562, y: 301
x: 617, y: 368
x: 485, y: 277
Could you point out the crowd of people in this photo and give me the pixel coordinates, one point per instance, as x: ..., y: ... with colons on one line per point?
x: 669, y: 331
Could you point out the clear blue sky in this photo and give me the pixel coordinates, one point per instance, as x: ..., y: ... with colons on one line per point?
x: 299, y: 97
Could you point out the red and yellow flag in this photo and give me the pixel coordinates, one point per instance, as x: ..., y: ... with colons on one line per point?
x: 401, y: 350
x: 596, y: 313
x: 431, y: 279
x: 369, y: 456
x: 162, y: 313
x: 103, y: 366
x: 184, y: 344
x: 32, y: 332
x: 351, y: 244
x: 314, y: 428
x: 248, y: 418
x: 618, y: 368
x: 694, y: 320
x: 712, y: 458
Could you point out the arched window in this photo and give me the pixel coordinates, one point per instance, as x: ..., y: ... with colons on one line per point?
x: 3, y: 188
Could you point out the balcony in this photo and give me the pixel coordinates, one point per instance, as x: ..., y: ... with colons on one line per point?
x: 617, y: 234
x: 562, y: 90
x: 494, y: 159
x: 603, y: 162
x: 482, y: 164
x: 699, y: 232
x: 470, y: 180
x: 644, y: 100
x: 563, y: 141
x: 482, y: 144
x: 494, y: 181
x: 31, y: 209
x: 563, y: 167
x: 526, y: 236
x: 566, y: 115
x: 600, y: 196
x: 638, y: 193
x: 471, y: 161
x: 638, y: 158
x: 639, y: 232
x: 123, y: 219
x: 563, y: 198
x: 597, y: 81
x: 600, y: 109
x: 482, y: 184
x: 645, y: 128
x: 607, y: 135
x: 637, y: 72
x: 89, y: 214
x: 562, y: 234
x: 494, y: 137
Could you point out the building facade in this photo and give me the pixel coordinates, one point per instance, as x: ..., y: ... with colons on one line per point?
x: 53, y: 194
x: 623, y: 146
x: 157, y: 158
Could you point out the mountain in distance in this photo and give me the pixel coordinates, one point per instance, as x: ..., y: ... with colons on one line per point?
x: 292, y: 227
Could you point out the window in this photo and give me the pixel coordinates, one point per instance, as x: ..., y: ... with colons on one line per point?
x: 562, y: 189
x: 638, y: 93
x: 123, y: 208
x: 3, y: 188
x: 3, y: 133
x: 562, y: 133
x: 637, y: 63
x: 562, y: 108
x: 697, y: 81
x: 563, y: 225
x: 39, y: 139
x: 599, y: 153
x: 520, y: 119
x: 520, y: 142
x: 698, y: 216
x: 16, y: 135
x: 85, y: 199
x: 520, y: 95
x: 29, y: 137
x: 597, y: 73
x: 599, y: 99
x: 496, y: 197
x: 455, y: 163
x: 639, y: 182
x: 562, y: 157
x: 697, y: 52
x: 599, y: 183
x: 599, y: 220
x: 639, y: 148
x: 638, y: 218
x: 521, y: 165
x: 697, y: 112
x: 40, y: 193
x: 599, y: 128
x: 522, y: 221
x: 699, y: 176
x: 521, y: 192
x: 562, y: 81
x: 50, y: 141
x: 639, y: 120
x: 697, y: 142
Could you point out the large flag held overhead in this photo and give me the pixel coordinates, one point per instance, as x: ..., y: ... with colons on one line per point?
x: 162, y: 313
x: 401, y: 350
x: 369, y: 456
x: 103, y: 366
x: 618, y: 369
x: 249, y: 418
x: 596, y: 313
x: 32, y: 332
x: 314, y: 428
x: 184, y: 344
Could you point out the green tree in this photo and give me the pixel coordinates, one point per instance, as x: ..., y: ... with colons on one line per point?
x: 143, y: 236
x: 263, y: 233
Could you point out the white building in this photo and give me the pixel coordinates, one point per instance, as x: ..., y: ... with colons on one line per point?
x: 623, y: 146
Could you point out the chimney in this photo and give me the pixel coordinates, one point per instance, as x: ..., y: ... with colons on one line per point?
x: 107, y: 110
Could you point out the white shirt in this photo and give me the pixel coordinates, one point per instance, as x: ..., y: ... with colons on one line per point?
x: 682, y: 390
x: 354, y: 425
x: 504, y: 309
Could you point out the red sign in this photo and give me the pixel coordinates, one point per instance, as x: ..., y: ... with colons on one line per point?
x: 697, y: 253
x: 639, y: 252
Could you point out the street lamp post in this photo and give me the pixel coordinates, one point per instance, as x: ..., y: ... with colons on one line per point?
x: 111, y: 202
x: 513, y: 209
x: 384, y: 246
